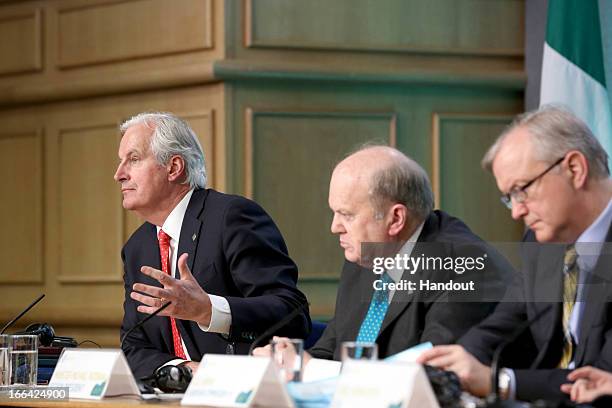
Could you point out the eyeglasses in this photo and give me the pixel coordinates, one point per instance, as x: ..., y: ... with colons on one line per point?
x: 519, y: 194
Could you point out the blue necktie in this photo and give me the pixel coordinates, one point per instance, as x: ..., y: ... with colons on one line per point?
x: 368, y: 332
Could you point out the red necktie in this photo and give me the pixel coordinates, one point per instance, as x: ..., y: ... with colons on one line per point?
x: 164, y: 250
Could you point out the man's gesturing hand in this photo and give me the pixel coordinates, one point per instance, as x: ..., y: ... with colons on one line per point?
x: 189, y: 300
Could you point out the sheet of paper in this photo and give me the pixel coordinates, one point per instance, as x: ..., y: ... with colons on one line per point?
x: 318, y: 369
x: 410, y: 355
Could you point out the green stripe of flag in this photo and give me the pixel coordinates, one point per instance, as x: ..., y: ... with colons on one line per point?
x: 571, y: 25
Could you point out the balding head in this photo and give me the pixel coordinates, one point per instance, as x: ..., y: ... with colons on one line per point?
x: 377, y: 194
x: 391, y: 177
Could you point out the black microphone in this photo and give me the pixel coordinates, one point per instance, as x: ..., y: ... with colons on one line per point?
x: 143, y: 321
x: 493, y: 399
x: 279, y: 325
x: 26, y: 310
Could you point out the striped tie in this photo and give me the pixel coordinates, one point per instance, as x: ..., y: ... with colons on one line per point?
x: 570, y: 285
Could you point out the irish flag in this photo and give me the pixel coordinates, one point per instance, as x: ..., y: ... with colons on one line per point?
x: 573, y: 70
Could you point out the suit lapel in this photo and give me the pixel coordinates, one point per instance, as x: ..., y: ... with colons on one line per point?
x: 150, y: 258
x: 547, y: 286
x: 595, y: 295
x: 188, y: 242
x: 190, y: 230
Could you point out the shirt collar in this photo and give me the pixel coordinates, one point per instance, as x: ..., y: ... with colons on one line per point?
x: 589, y: 243
x: 174, y: 221
x: 406, y: 249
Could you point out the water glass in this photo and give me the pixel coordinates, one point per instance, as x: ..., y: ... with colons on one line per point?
x: 24, y: 360
x: 288, y: 355
x: 352, y: 350
x: 5, y: 360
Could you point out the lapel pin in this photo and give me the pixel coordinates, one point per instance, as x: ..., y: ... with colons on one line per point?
x: 193, y: 237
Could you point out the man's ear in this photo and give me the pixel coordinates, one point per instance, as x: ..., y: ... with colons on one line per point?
x: 398, y: 214
x: 578, y: 168
x: 176, y: 168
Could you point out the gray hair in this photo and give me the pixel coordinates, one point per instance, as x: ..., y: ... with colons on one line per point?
x: 172, y: 136
x: 555, y: 131
x: 401, y: 181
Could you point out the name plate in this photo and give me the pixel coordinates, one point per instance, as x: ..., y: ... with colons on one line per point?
x: 237, y: 381
x: 94, y: 373
x: 373, y: 384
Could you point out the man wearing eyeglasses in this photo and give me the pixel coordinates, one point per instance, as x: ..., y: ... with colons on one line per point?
x: 554, y: 176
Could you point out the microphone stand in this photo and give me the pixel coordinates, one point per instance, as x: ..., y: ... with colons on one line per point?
x: 20, y: 315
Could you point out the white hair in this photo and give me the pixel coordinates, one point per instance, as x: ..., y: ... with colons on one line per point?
x: 555, y: 131
x: 172, y: 136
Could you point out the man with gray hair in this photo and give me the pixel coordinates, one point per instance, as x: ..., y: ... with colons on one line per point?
x: 382, y: 203
x: 553, y: 174
x: 219, y: 259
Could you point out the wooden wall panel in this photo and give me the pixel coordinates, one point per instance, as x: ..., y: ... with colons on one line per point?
x: 98, y: 33
x: 71, y: 49
x: 289, y: 158
x: 461, y: 186
x: 21, y: 207
x: 90, y: 212
x: 474, y: 27
x: 21, y: 45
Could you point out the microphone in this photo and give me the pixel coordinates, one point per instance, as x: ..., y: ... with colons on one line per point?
x: 280, y: 324
x: 26, y: 310
x: 494, y: 400
x: 143, y: 321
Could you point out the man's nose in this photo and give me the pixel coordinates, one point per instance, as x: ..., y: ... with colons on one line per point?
x: 336, y: 226
x: 519, y: 210
x: 120, y: 174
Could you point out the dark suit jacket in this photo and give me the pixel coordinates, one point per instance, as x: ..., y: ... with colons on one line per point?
x: 538, y: 287
x: 417, y: 317
x: 235, y: 251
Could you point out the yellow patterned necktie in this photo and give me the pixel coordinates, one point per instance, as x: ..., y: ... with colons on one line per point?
x: 570, y: 285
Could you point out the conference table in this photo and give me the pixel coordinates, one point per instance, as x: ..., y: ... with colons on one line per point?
x: 77, y: 403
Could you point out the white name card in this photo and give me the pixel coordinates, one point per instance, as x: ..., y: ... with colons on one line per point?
x: 94, y: 374
x: 237, y: 381
x: 371, y: 384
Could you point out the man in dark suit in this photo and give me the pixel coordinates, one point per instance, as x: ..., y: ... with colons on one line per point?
x: 378, y: 195
x: 554, y: 176
x: 242, y: 282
